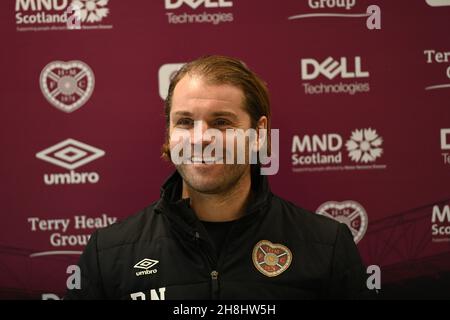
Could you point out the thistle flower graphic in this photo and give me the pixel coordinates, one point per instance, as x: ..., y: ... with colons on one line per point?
x: 90, y: 10
x: 364, y: 145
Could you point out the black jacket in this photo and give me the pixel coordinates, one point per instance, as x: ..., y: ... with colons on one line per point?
x: 275, y: 251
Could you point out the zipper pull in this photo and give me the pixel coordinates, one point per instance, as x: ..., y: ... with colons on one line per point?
x: 214, y: 284
x: 196, y: 235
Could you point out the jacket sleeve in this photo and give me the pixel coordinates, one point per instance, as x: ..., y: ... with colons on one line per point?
x: 348, y: 275
x: 91, y: 280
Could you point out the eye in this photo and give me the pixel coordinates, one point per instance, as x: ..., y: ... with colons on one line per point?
x: 185, y: 122
x: 221, y: 122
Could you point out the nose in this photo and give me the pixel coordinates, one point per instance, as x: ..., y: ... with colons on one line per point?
x: 200, y: 139
x: 197, y: 136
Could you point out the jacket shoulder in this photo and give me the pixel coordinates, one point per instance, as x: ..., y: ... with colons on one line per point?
x: 127, y: 231
x: 314, y: 227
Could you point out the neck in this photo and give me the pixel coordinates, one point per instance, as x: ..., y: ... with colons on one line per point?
x: 227, y: 206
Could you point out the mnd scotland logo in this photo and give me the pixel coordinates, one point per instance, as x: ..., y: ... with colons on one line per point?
x: 46, y: 15
x: 325, y: 152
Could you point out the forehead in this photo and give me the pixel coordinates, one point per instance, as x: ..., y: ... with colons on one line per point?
x: 194, y: 93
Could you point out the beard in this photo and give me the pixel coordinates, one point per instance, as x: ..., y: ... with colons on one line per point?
x: 212, y: 178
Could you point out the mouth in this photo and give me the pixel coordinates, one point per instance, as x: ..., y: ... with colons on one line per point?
x: 206, y: 160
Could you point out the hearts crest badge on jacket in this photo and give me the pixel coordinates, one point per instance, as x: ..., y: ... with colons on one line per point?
x: 271, y: 259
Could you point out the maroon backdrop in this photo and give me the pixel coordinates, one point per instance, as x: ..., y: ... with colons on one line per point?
x: 360, y: 95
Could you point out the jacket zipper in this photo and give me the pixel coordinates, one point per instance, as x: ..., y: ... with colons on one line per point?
x: 215, y: 261
x: 214, y: 274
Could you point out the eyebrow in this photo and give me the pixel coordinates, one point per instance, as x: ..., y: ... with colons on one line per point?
x: 183, y: 113
x: 213, y: 114
x: 224, y: 114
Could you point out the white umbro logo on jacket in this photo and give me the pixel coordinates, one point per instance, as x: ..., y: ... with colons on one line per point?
x: 145, y: 265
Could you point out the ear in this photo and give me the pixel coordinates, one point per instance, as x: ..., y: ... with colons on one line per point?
x: 262, y: 134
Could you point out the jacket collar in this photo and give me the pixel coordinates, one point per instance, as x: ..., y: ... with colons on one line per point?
x: 171, y: 203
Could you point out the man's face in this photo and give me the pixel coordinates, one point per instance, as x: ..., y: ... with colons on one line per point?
x: 218, y: 107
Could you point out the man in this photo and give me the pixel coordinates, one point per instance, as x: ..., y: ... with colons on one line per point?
x: 217, y: 232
